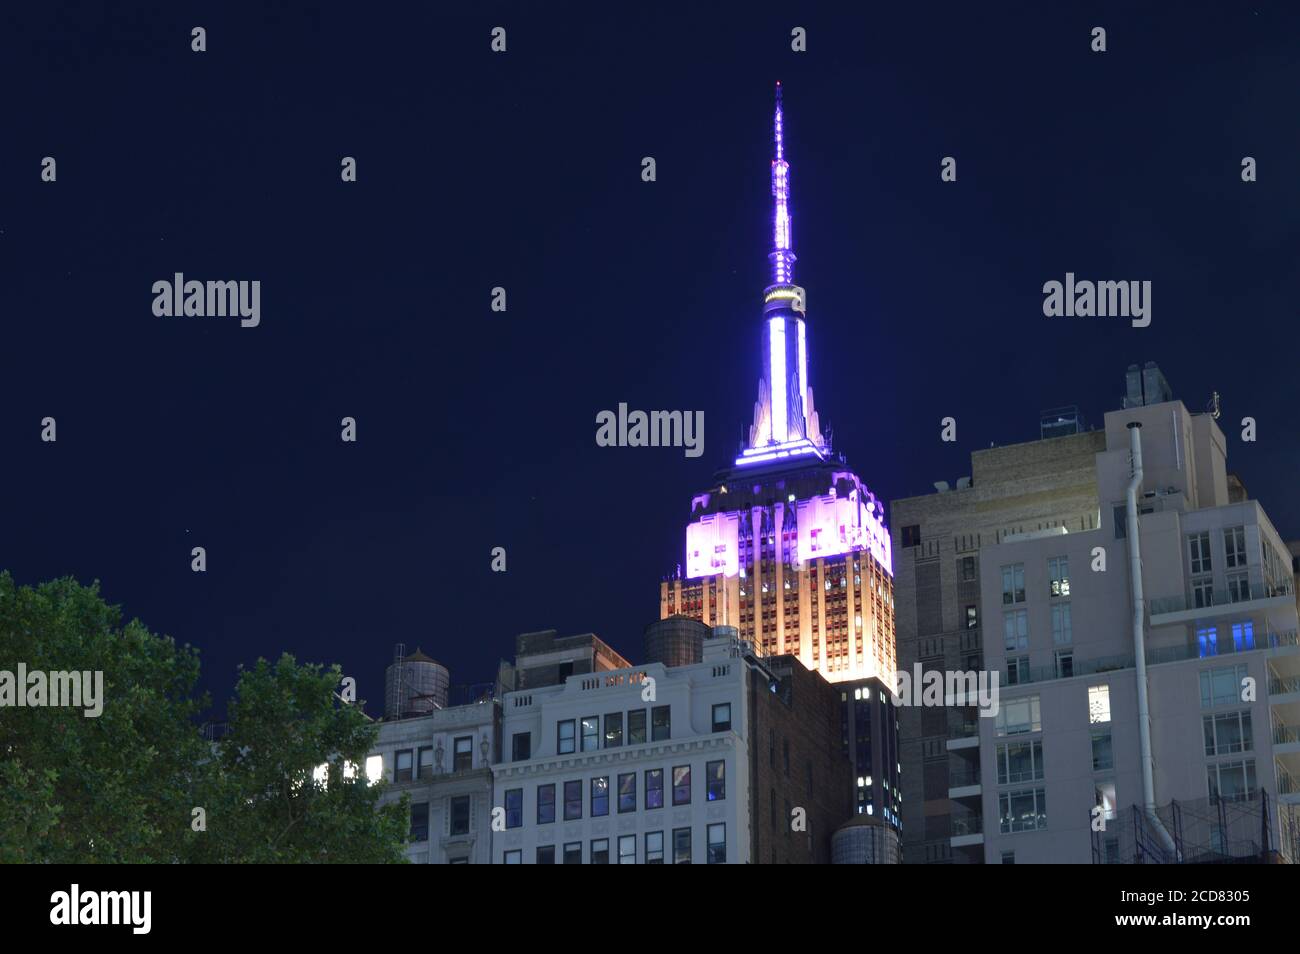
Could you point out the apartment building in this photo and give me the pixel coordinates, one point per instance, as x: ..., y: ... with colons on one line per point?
x: 1125, y: 693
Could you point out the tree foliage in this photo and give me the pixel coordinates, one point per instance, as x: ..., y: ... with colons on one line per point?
x: 123, y: 787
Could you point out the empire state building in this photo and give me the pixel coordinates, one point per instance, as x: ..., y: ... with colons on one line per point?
x: 789, y: 546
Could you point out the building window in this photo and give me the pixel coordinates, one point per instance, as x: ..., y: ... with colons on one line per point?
x: 1238, y: 588
x: 1008, y: 857
x: 1013, y: 584
x: 1062, y: 630
x: 600, y: 796
x: 627, y: 849
x: 654, y: 847
x: 613, y: 730
x: 636, y: 727
x: 1023, y: 810
x: 654, y: 788
x: 1020, y: 762
x: 972, y: 617
x: 1017, y: 670
x: 546, y: 854
x: 681, y: 784
x: 1098, y: 704
x: 1207, y: 641
x: 1058, y: 572
x: 600, y: 851
x: 1015, y: 630
x: 590, y: 733
x: 403, y: 766
x: 1102, y: 756
x: 627, y: 793
x: 573, y: 853
x: 515, y: 808
x: 1064, y: 663
x: 425, y: 761
x: 420, y: 822
x: 1232, y: 781
x: 912, y: 535
x: 460, y: 815
x: 967, y: 569
x: 1227, y: 732
x: 1222, y: 687
x: 1105, y: 800
x: 521, y: 746
x: 681, y: 846
x: 515, y: 857
x: 715, y: 780
x: 661, y: 723
x: 717, y: 852
x: 545, y: 804
x: 1198, y: 545
x: 1234, y: 545
x: 1019, y: 716
x: 462, y: 753
x: 1243, y: 636
x: 722, y: 717
x: 573, y: 800
x: 564, y: 737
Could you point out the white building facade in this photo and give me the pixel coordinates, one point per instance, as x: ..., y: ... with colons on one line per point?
x: 1058, y: 774
x: 443, y: 761
x: 643, y: 765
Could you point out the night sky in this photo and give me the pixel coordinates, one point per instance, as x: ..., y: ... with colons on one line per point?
x: 475, y: 169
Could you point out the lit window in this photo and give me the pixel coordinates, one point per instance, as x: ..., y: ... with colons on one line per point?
x: 1098, y: 704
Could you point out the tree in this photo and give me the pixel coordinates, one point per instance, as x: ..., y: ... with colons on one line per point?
x: 122, y: 786
x: 109, y: 788
x: 266, y: 803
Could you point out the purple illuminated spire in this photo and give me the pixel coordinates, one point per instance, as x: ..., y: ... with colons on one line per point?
x: 785, y: 422
x: 782, y: 256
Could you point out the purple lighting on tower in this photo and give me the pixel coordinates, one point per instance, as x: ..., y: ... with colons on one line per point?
x: 782, y: 259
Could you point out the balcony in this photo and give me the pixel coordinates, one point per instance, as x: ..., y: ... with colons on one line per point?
x: 963, y: 780
x: 967, y: 829
x: 1268, y: 639
x: 963, y: 733
x: 1182, y: 609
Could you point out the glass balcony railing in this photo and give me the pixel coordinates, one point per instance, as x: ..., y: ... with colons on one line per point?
x: 969, y: 824
x: 1165, y: 654
x: 1214, y: 599
x: 960, y: 775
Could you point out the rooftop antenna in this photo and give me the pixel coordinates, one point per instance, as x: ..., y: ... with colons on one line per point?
x: 1213, y: 406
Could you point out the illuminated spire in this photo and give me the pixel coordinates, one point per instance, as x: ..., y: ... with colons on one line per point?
x: 785, y: 422
x: 782, y: 255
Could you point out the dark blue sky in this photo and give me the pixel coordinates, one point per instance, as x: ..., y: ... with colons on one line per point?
x: 476, y: 429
